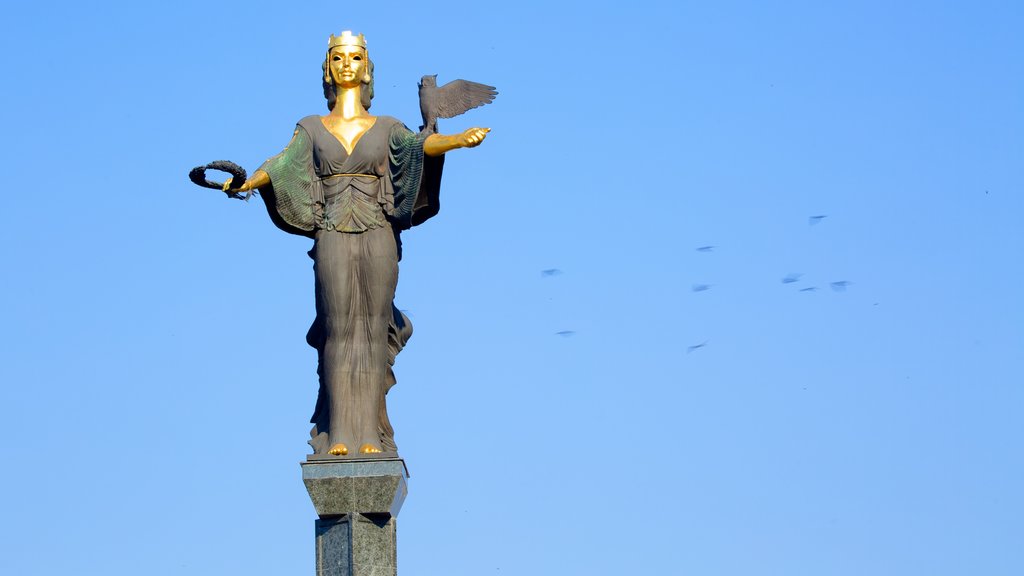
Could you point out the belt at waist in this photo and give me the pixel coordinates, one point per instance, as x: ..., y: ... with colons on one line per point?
x: 374, y: 176
x: 350, y: 202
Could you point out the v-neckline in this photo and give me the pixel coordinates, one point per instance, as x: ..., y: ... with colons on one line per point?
x: 355, y: 142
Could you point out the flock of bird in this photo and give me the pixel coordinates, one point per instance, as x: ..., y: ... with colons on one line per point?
x: 791, y: 278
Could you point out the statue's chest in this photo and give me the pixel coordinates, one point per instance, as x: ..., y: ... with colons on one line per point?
x: 368, y: 155
x: 350, y: 132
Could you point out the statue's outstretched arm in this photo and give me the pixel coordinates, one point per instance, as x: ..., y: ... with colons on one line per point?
x: 438, y: 144
x: 258, y: 179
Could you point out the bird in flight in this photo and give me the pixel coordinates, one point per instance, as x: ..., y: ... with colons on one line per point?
x: 841, y: 285
x: 705, y: 248
x: 700, y: 287
x: 809, y: 289
x: 450, y: 100
x: 550, y: 272
x: 791, y: 277
x: 565, y: 333
x: 816, y: 219
x: 696, y: 346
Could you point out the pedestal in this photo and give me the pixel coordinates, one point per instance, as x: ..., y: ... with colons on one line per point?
x: 357, y: 501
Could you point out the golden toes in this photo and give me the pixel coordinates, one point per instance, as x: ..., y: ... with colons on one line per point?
x: 370, y: 449
x: 339, y: 449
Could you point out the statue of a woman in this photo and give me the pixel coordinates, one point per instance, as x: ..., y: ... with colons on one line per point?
x: 353, y: 182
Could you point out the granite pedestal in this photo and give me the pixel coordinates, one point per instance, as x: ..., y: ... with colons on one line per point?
x: 357, y: 501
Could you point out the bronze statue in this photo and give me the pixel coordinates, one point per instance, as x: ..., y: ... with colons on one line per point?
x: 353, y: 182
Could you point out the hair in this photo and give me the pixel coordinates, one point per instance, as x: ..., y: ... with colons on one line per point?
x: 331, y: 94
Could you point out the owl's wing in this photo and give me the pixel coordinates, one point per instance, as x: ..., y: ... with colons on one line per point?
x: 457, y: 96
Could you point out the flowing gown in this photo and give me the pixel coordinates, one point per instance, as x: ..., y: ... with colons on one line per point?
x: 354, y: 206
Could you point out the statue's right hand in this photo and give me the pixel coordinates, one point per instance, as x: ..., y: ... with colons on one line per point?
x: 227, y: 189
x: 242, y: 192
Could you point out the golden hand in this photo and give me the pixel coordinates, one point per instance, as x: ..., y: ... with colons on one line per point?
x: 438, y: 144
x: 472, y: 137
x: 227, y: 189
x: 258, y: 179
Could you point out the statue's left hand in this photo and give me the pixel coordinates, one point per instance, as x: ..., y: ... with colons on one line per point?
x: 438, y: 144
x: 472, y: 137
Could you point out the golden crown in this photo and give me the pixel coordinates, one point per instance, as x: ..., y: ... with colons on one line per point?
x: 346, y: 39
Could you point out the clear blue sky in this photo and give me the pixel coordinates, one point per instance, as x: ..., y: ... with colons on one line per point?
x: 157, y: 387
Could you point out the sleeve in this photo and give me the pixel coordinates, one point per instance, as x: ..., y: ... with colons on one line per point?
x: 290, y: 196
x: 415, y: 178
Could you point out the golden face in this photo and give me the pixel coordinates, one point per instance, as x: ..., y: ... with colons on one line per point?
x: 347, y: 65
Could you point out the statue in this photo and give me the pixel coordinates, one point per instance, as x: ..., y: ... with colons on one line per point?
x: 353, y: 182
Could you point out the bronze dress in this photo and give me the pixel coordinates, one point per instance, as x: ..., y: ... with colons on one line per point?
x: 354, y: 206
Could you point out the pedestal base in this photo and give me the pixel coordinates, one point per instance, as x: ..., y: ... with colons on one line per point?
x: 356, y: 545
x: 357, y: 501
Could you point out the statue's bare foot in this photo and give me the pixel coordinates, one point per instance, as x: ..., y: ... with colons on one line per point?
x: 340, y: 449
x: 370, y: 449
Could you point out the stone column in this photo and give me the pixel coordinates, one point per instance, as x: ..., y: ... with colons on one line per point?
x: 357, y: 501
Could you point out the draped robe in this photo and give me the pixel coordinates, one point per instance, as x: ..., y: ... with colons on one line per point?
x: 354, y: 206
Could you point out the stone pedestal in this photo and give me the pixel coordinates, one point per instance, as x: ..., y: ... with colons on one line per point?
x: 357, y: 501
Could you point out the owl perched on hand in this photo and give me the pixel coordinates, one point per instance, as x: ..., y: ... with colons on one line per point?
x: 450, y: 100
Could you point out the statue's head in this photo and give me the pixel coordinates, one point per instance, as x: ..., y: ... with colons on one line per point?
x: 347, y: 65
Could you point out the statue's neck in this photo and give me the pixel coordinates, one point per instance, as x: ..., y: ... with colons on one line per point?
x: 349, y: 103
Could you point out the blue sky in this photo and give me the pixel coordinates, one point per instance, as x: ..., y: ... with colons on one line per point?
x: 157, y: 386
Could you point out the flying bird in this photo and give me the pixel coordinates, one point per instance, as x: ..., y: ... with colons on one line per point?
x: 841, y: 285
x: 816, y: 219
x: 696, y: 346
x: 700, y: 287
x: 792, y: 277
x: 809, y: 289
x: 450, y: 100
x: 565, y: 333
x: 550, y: 272
x: 705, y: 249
